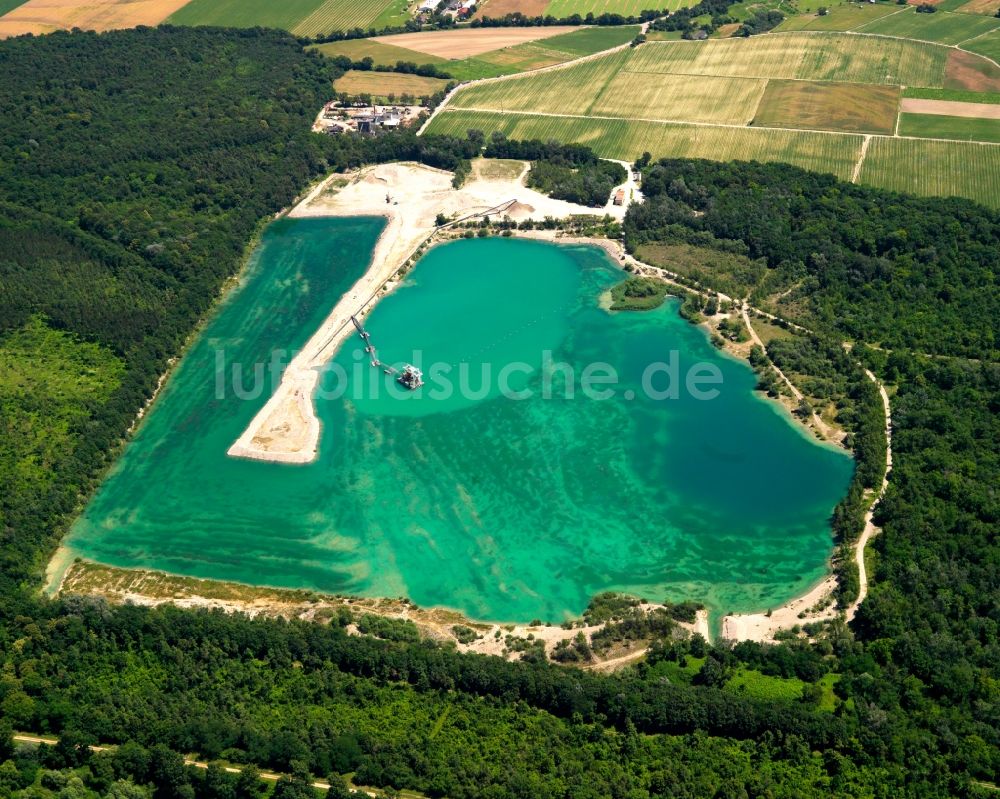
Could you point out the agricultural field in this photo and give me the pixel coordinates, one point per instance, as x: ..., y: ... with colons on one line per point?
x: 988, y: 45
x: 951, y: 108
x: 383, y: 85
x: 840, y: 18
x: 951, y: 95
x: 935, y: 126
x: 627, y: 8
x: 592, y: 39
x: 303, y: 17
x: 721, y: 100
x: 988, y: 7
x: 9, y: 5
x: 850, y: 107
x: 571, y: 90
x: 379, y: 52
x: 655, y: 81
x: 45, y: 16
x: 626, y: 140
x: 547, y: 52
x: 971, y: 72
x: 800, y: 56
x: 556, y: 48
x: 466, y: 43
x: 934, y: 167
x: 769, y: 98
x: 942, y: 27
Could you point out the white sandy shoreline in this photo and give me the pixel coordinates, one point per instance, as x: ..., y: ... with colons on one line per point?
x: 409, y: 196
x: 287, y: 429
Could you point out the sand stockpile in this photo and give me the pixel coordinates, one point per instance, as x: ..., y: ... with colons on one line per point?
x: 519, y: 211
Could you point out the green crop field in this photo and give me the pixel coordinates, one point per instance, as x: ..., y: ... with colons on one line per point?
x: 599, y: 88
x: 988, y: 45
x: 10, y: 5
x: 934, y: 126
x: 957, y: 95
x: 571, y: 90
x: 383, y: 85
x: 615, y: 138
x: 677, y: 97
x: 305, y: 17
x: 565, y: 8
x: 696, y: 82
x: 941, y: 27
x: 801, y: 56
x: 851, y: 107
x: 840, y: 18
x: 934, y: 167
x: 244, y: 13
x: 592, y: 40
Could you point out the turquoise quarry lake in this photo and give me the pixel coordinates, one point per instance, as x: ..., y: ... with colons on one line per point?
x: 506, y: 509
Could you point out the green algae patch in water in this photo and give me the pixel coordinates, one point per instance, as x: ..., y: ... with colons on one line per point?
x: 503, y: 508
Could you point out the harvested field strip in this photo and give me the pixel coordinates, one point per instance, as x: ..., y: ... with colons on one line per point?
x: 935, y: 168
x: 842, y: 57
x: 949, y: 108
x: 504, y: 61
x: 988, y: 7
x: 840, y: 18
x: 935, y: 126
x: 942, y: 27
x: 383, y: 84
x: 626, y: 139
x: 560, y: 91
x: 849, y: 107
x: 45, y: 16
x: 381, y: 53
x: 500, y: 8
x: 542, y: 53
x: 470, y: 41
x: 565, y: 8
x: 726, y: 100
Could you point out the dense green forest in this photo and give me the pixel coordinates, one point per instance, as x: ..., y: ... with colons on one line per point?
x: 136, y: 168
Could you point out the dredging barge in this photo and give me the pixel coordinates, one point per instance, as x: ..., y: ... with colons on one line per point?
x: 410, y: 376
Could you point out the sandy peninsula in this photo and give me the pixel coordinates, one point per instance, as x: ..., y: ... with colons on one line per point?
x: 410, y: 197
